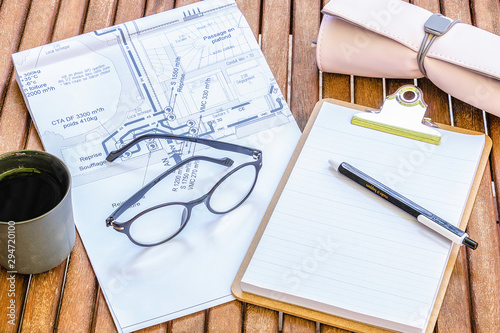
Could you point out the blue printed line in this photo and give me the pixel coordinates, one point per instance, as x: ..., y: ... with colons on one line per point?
x: 106, y: 140
x: 149, y: 97
x: 242, y: 121
x: 162, y: 121
x: 103, y: 33
x: 132, y: 130
x: 237, y: 106
x: 135, y: 64
x: 134, y: 121
x: 278, y: 100
x: 110, y: 31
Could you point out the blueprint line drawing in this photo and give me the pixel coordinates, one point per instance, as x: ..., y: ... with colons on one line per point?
x: 197, y: 74
x: 193, y: 71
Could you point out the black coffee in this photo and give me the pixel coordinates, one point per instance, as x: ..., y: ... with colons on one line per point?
x: 28, y: 193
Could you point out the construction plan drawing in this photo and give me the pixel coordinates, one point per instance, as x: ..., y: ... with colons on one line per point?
x: 194, y: 71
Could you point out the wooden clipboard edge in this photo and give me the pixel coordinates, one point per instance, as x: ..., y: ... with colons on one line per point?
x: 330, y: 319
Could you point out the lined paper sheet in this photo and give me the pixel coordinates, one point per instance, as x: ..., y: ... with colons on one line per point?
x: 333, y: 246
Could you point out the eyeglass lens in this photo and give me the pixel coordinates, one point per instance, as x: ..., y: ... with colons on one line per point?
x: 233, y: 190
x: 159, y: 224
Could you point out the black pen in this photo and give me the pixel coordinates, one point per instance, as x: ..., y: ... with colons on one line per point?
x: 422, y: 215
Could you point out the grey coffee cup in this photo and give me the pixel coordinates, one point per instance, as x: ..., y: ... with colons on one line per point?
x: 37, y: 230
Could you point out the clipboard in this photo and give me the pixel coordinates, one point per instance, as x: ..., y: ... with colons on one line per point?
x: 330, y: 319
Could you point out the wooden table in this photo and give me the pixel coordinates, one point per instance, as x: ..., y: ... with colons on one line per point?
x: 68, y: 298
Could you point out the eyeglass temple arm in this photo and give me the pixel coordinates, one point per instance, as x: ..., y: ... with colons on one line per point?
x: 139, y: 194
x: 212, y: 143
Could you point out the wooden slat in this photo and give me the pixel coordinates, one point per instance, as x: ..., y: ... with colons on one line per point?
x: 43, y: 300
x: 100, y: 14
x: 13, y: 121
x: 485, y: 14
x: 455, y: 314
x: 494, y: 132
x: 129, y: 10
x: 103, y: 322
x: 430, y: 5
x: 305, y: 75
x: 158, y: 6
x: 160, y: 328
x: 337, y: 86
x: 12, y: 17
x: 80, y: 292
x: 467, y: 116
x: 11, y: 296
x: 225, y: 318
x: 251, y: 11
x: 368, y: 92
x: 437, y: 102
x: 194, y: 323
x: 275, y: 39
x: 33, y: 141
x: 329, y: 329
x: 71, y: 20
x: 457, y: 10
x: 489, y: 22
x: 258, y: 319
x: 180, y: 3
x: 392, y: 85
x: 484, y: 263
x: 293, y: 324
x: 38, y: 27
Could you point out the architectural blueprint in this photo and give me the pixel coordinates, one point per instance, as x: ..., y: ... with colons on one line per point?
x: 194, y: 71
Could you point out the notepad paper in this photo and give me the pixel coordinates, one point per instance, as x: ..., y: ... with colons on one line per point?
x: 331, y: 245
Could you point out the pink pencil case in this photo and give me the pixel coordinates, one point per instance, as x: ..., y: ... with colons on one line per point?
x: 389, y: 38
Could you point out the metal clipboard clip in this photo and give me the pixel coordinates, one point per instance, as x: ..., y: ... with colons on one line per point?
x: 401, y: 114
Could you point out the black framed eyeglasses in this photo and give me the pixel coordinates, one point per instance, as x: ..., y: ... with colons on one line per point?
x: 161, y: 223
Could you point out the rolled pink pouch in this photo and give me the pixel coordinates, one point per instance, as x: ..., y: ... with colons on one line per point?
x: 382, y: 38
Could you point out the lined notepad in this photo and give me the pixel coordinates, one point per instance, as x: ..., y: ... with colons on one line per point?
x: 331, y: 245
